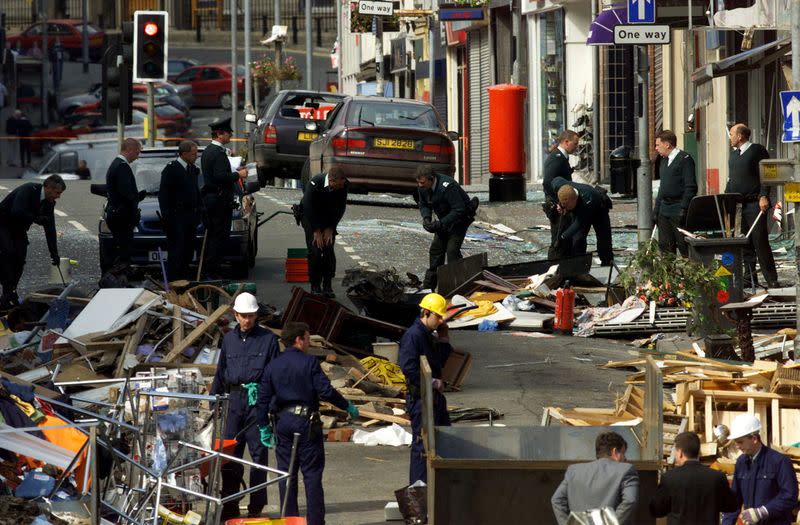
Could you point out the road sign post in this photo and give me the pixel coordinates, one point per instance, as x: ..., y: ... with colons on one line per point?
x: 377, y: 10
x: 795, y: 25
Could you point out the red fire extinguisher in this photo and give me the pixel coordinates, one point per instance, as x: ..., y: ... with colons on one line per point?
x: 565, y: 307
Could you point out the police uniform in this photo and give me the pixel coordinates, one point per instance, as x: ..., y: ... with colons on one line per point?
x: 677, y: 189
x: 455, y: 213
x: 743, y: 178
x: 416, y: 342
x: 591, y: 211
x: 179, y: 203
x: 220, y: 186
x: 323, y: 208
x: 293, y: 387
x: 242, y: 364
x: 22, y: 207
x: 122, y: 209
x: 556, y: 165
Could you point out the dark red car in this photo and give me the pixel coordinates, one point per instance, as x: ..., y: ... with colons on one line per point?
x: 69, y: 31
x: 75, y: 125
x: 168, y: 118
x: 211, y: 84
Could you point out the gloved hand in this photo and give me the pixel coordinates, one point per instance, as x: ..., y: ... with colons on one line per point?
x: 55, y: 260
x: 437, y: 385
x: 754, y: 515
x: 267, y: 437
x: 434, y: 226
x: 426, y: 224
x: 352, y: 410
x: 252, y: 393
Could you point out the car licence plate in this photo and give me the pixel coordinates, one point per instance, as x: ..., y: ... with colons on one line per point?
x: 153, y: 256
x: 306, y: 136
x: 394, y: 143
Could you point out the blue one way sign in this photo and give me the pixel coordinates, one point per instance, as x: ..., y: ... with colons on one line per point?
x: 641, y: 11
x: 790, y: 103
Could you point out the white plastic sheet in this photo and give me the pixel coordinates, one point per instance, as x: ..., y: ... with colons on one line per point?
x: 394, y: 436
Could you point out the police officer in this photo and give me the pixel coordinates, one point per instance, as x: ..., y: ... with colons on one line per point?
x: 589, y: 208
x: 122, y: 209
x: 220, y: 185
x: 246, y: 352
x: 455, y: 211
x: 557, y: 165
x: 763, y: 479
x: 179, y: 202
x: 292, y: 389
x: 419, y: 340
x: 27, y: 204
x: 678, y: 188
x: 743, y: 177
x: 324, y: 203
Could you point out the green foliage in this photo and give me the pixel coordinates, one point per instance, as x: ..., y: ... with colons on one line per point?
x: 268, y: 70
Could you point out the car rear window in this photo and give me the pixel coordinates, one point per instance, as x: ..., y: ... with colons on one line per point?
x: 305, y: 106
x: 167, y: 111
x: 393, y: 114
x: 90, y: 29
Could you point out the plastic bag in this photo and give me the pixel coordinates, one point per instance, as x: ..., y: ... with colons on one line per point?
x: 413, y: 502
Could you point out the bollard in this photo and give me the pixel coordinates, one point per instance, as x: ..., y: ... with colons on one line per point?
x: 294, y: 30
x: 319, y: 31
x: 198, y: 35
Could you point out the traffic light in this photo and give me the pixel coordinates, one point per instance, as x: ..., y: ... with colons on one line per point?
x: 110, y: 98
x: 150, y: 46
x: 126, y: 74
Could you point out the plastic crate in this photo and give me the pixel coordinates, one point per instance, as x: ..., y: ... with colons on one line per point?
x: 296, y: 253
x: 296, y: 270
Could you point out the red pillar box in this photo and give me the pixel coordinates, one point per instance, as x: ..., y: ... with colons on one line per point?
x: 507, y: 142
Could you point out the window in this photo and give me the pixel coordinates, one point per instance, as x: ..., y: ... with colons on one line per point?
x: 303, y: 105
x: 68, y: 162
x: 166, y: 110
x: 34, y: 30
x: 186, y: 76
x: 393, y: 114
x: 211, y: 74
x: 90, y: 29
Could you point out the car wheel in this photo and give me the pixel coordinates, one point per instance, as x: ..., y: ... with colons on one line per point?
x: 226, y: 101
x: 305, y: 173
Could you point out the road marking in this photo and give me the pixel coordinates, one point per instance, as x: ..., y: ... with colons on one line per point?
x: 348, y: 249
x: 363, y: 263
x: 355, y: 257
x: 79, y: 226
x: 60, y: 213
x: 3, y: 188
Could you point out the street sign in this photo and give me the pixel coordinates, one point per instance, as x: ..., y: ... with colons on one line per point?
x: 449, y: 14
x: 791, y: 192
x: 790, y: 104
x: 641, y: 11
x: 641, y: 35
x: 367, y: 7
x: 776, y: 171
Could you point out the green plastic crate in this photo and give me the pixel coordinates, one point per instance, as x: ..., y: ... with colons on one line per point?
x: 296, y: 253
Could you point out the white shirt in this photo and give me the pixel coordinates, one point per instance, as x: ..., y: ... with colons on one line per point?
x: 744, y: 147
x: 326, y: 181
x: 217, y: 143
x: 672, y: 155
x: 563, y: 152
x: 122, y: 157
x: 183, y: 163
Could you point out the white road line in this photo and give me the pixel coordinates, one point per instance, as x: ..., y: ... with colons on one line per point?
x: 79, y: 226
x: 3, y: 188
x: 341, y: 242
x: 355, y: 257
x: 60, y: 213
x: 348, y: 249
x: 363, y: 263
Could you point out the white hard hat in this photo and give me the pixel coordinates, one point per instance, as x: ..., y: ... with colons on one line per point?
x: 743, y: 425
x: 245, y: 303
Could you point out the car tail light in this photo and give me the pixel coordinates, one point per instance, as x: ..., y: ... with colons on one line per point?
x: 270, y: 135
x: 443, y: 151
x: 345, y: 145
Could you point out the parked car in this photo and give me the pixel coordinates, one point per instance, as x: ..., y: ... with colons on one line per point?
x: 161, y: 94
x: 211, y: 84
x: 240, y: 252
x: 168, y: 118
x: 63, y: 159
x: 70, y: 31
x: 380, y: 142
x: 176, y: 66
x: 73, y: 126
x: 68, y: 104
x: 279, y: 144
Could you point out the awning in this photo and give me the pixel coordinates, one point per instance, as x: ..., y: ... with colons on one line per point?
x: 744, y: 61
x: 601, y: 32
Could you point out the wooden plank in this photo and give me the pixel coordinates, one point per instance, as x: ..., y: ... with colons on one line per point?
x: 775, y: 434
x: 375, y: 399
x: 690, y: 412
x: 177, y: 325
x: 131, y: 343
x: 715, y: 362
x: 196, y: 333
x: 708, y: 418
x: 653, y: 413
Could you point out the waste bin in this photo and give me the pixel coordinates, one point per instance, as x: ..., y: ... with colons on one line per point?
x: 623, y: 171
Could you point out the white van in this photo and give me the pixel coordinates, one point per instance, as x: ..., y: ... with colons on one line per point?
x: 63, y: 159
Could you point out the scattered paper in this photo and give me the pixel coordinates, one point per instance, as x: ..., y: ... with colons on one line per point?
x: 235, y: 162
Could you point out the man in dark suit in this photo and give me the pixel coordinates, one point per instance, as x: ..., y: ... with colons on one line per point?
x: 324, y: 203
x: 589, y: 208
x: 27, y: 204
x: 691, y: 494
x: 220, y: 184
x: 605, y: 482
x: 743, y: 177
x: 557, y: 165
x: 179, y: 203
x: 122, y: 209
x: 678, y: 188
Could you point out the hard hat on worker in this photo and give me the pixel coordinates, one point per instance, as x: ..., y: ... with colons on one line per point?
x: 434, y: 303
x: 744, y: 425
x: 245, y: 303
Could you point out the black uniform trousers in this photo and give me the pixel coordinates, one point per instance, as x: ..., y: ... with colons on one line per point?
x: 321, y: 261
x: 558, y: 225
x: 181, y: 243
x: 601, y: 223
x: 218, y: 225
x: 13, y: 251
x: 121, y: 227
x: 669, y: 238
x: 444, y: 244
x: 759, y: 245
x: 310, y: 461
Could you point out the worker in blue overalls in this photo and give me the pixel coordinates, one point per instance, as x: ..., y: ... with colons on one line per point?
x: 246, y: 352
x: 293, y: 386
x: 420, y: 340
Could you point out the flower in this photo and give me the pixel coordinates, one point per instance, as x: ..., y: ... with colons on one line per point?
x: 269, y: 71
x: 723, y: 296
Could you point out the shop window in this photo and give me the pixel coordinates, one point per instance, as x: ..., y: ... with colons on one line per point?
x: 551, y: 44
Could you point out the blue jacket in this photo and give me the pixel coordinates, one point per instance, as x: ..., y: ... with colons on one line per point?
x: 295, y: 378
x: 448, y: 200
x: 416, y: 342
x: 768, y: 481
x: 244, y: 358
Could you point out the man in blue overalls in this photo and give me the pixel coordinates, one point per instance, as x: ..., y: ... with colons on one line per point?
x: 419, y: 340
x: 246, y: 352
x: 293, y: 387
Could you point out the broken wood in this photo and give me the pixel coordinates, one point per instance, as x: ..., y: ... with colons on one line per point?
x: 196, y: 333
x: 177, y: 325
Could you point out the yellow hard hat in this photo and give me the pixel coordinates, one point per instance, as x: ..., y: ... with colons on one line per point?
x: 435, y: 303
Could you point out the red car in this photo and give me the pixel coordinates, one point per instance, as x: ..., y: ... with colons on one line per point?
x: 168, y: 118
x: 74, y: 126
x: 211, y: 84
x: 69, y: 31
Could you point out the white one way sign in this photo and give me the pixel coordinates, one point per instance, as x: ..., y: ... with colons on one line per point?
x: 366, y: 7
x: 641, y: 34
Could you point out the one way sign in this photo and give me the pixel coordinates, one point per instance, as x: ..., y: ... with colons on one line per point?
x: 790, y: 103
x: 641, y: 11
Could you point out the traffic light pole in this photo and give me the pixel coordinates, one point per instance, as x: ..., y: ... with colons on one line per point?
x: 234, y: 76
x: 151, y: 115
x: 248, y: 85
x: 120, y: 122
x: 644, y: 183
